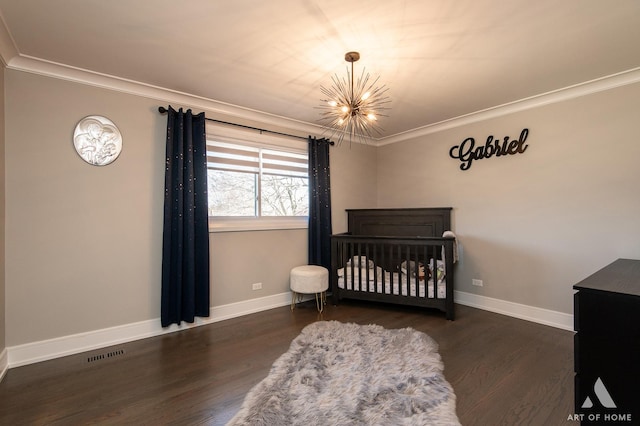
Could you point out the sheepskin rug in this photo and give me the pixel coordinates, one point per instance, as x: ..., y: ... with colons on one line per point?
x: 348, y: 374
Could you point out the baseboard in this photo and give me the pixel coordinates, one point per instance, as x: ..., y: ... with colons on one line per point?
x: 16, y: 356
x: 4, y: 363
x: 246, y: 307
x: 516, y: 310
x: 68, y: 345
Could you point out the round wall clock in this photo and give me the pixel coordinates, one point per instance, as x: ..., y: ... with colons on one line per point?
x: 97, y: 140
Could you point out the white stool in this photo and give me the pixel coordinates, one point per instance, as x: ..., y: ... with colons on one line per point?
x: 309, y: 279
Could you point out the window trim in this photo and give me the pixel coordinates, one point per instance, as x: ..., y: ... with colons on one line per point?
x: 260, y: 140
x: 235, y: 224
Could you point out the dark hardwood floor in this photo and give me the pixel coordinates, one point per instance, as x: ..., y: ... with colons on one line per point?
x: 504, y: 371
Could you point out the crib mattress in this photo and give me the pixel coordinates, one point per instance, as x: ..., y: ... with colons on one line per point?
x: 393, y: 282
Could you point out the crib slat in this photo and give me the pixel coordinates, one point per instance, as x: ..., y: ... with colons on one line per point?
x: 406, y: 282
x: 367, y: 257
x: 391, y: 278
x: 416, y: 250
x: 436, y: 249
x: 412, y: 276
x: 410, y: 272
x: 384, y: 263
x: 352, y: 253
x: 425, y: 266
x: 359, y: 266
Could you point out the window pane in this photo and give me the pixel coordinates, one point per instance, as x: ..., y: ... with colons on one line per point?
x: 257, y: 181
x: 285, y: 195
x: 232, y: 193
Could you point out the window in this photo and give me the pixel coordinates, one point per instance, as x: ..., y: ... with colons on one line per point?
x: 256, y: 185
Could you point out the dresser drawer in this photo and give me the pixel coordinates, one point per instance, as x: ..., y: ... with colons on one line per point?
x: 614, y: 355
x: 607, y: 314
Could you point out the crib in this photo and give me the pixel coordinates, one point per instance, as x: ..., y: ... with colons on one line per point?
x: 396, y: 256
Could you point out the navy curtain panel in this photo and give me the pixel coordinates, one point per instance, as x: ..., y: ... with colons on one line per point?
x: 319, y: 203
x: 185, y: 239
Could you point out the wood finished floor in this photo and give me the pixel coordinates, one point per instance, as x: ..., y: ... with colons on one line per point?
x: 504, y: 371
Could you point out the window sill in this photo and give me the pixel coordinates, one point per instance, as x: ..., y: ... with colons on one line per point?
x: 253, y: 224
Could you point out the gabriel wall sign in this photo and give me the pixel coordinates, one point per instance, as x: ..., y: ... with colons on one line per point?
x: 467, y: 151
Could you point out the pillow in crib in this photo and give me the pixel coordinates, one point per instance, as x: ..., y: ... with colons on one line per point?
x: 361, y: 262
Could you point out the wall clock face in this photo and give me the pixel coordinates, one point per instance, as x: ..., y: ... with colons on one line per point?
x: 97, y: 140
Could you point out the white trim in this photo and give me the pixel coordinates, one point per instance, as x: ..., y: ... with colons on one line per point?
x: 8, y: 47
x: 624, y: 78
x: 67, y: 345
x: 78, y: 75
x: 221, y: 224
x: 4, y: 363
x: 252, y: 306
x: 52, y: 69
x: 16, y: 356
x: 516, y: 310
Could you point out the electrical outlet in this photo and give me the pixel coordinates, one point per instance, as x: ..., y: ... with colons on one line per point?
x: 476, y: 282
x: 257, y: 286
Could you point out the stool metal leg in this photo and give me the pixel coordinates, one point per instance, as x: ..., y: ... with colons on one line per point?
x: 321, y: 301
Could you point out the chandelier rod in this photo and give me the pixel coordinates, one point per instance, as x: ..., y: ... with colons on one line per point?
x: 352, y: 94
x: 352, y: 57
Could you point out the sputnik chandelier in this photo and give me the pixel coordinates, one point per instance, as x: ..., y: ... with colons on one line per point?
x: 353, y: 109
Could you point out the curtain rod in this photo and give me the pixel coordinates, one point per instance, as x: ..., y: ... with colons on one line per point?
x: 163, y: 110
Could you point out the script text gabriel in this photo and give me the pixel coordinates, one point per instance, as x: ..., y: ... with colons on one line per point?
x: 467, y: 151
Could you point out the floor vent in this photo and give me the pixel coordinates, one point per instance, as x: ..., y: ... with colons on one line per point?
x: 107, y: 355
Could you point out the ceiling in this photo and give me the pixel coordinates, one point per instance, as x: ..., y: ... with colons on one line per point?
x: 440, y: 59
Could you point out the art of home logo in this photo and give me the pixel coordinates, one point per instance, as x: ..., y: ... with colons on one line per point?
x: 602, y: 395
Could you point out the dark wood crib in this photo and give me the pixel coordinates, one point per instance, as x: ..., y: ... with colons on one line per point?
x: 396, y: 256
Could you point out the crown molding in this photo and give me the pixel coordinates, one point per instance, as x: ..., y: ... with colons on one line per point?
x: 582, y: 89
x: 34, y: 65
x: 43, y: 67
x: 8, y: 49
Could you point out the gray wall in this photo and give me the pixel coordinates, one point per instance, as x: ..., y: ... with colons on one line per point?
x: 83, y: 243
x: 532, y: 225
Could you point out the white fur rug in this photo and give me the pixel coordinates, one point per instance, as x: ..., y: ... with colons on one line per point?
x: 349, y: 374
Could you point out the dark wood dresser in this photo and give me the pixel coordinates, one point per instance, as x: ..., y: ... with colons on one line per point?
x: 607, y: 344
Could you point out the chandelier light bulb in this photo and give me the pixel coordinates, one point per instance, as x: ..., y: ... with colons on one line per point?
x: 366, y: 96
x: 332, y: 103
x: 371, y: 117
